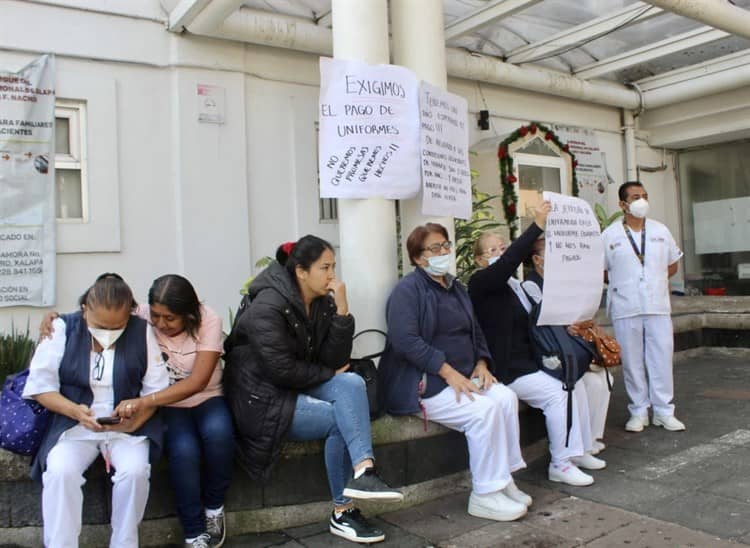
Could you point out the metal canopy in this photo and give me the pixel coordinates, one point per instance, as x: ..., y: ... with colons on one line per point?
x: 623, y: 41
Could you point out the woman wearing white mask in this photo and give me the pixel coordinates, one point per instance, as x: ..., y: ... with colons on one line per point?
x: 502, y: 309
x: 437, y: 364
x: 95, y: 358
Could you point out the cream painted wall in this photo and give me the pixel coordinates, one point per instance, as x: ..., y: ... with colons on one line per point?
x: 209, y: 200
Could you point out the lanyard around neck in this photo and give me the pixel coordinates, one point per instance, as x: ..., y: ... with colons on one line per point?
x: 642, y: 253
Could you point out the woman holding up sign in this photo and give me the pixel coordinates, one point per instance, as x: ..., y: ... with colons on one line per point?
x: 502, y: 308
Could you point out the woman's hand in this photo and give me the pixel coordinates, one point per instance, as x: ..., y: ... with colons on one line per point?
x: 85, y: 416
x: 128, y: 408
x: 458, y: 382
x: 45, y: 327
x: 540, y: 214
x: 343, y: 369
x: 126, y: 426
x: 338, y: 289
x: 482, y: 372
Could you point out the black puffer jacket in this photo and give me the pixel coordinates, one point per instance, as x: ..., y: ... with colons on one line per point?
x: 273, y: 353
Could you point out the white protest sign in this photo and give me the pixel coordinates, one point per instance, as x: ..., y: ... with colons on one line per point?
x: 27, y: 184
x: 446, y: 176
x: 369, y: 131
x: 573, y: 262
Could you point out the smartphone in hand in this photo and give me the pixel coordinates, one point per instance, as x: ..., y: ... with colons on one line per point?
x: 109, y: 420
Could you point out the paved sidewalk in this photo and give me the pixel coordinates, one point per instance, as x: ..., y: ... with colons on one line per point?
x: 660, y: 488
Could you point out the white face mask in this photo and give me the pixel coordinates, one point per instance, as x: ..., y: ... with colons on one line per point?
x: 106, y: 337
x: 438, y: 265
x: 492, y: 260
x: 638, y: 208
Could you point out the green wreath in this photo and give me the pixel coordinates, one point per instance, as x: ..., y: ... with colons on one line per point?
x: 507, y: 179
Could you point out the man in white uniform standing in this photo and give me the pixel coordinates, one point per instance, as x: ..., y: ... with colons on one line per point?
x: 641, y: 255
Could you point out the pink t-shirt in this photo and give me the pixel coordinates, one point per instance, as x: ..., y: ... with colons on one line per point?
x: 182, y: 349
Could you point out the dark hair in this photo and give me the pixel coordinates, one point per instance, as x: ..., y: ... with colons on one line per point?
x: 622, y: 192
x: 304, y: 253
x: 179, y: 296
x: 110, y: 291
x: 415, y: 241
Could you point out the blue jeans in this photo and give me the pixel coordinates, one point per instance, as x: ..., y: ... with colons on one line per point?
x: 338, y: 412
x: 200, y: 447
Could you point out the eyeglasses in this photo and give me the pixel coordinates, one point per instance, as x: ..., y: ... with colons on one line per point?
x: 98, y: 372
x: 492, y: 251
x: 435, y: 248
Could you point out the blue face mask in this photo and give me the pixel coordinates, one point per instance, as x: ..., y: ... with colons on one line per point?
x: 438, y: 265
x: 492, y: 260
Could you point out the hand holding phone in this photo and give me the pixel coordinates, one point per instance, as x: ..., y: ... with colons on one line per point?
x: 108, y: 420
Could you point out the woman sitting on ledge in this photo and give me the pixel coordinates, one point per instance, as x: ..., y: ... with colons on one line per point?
x: 437, y: 361
x: 286, y: 363
x: 96, y: 358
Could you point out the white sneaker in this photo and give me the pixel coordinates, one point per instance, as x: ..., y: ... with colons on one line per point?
x: 597, y: 447
x: 495, y: 506
x: 569, y: 473
x: 669, y: 422
x: 589, y: 462
x: 636, y: 423
x: 514, y: 493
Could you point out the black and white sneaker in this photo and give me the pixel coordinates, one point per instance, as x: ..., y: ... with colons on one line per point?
x: 352, y: 525
x: 369, y: 486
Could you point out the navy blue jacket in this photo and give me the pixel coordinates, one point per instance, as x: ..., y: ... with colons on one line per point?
x: 409, y: 354
x: 75, y: 371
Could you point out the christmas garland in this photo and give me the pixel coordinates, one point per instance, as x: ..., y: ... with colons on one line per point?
x: 508, y: 179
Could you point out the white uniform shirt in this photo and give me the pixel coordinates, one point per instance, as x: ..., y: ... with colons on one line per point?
x: 636, y: 289
x: 44, y: 376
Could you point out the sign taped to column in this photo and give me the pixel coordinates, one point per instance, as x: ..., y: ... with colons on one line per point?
x: 27, y: 177
x: 573, y: 262
x: 369, y: 130
x: 446, y: 176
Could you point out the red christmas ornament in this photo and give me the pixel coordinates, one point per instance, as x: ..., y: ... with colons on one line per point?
x: 512, y: 209
x: 523, y: 130
x: 502, y: 152
x: 532, y: 129
x: 548, y: 136
x: 510, y: 178
x: 566, y: 148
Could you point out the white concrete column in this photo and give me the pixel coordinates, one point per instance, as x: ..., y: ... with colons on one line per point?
x: 419, y: 45
x: 367, y: 228
x: 631, y: 164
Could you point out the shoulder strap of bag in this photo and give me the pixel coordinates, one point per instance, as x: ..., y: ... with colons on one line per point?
x: 376, y: 354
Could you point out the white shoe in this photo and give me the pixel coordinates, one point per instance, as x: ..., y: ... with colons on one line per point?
x: 589, y: 462
x: 669, y: 422
x: 514, y: 493
x: 569, y: 473
x: 636, y: 423
x: 597, y: 447
x: 495, y: 506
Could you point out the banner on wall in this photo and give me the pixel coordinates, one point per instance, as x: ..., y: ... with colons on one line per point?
x: 369, y: 130
x: 446, y: 176
x: 593, y: 178
x: 27, y: 184
x: 573, y: 262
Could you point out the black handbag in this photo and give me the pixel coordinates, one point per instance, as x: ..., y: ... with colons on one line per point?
x: 365, y: 368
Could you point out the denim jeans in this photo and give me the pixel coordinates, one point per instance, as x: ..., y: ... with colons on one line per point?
x: 338, y: 412
x: 200, y: 448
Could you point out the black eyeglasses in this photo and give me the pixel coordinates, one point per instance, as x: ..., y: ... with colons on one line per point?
x: 435, y: 248
x: 98, y: 372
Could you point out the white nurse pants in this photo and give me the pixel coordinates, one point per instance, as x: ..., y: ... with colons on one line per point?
x: 597, y: 392
x: 542, y: 391
x: 62, y: 497
x: 647, y: 346
x: 490, y: 423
